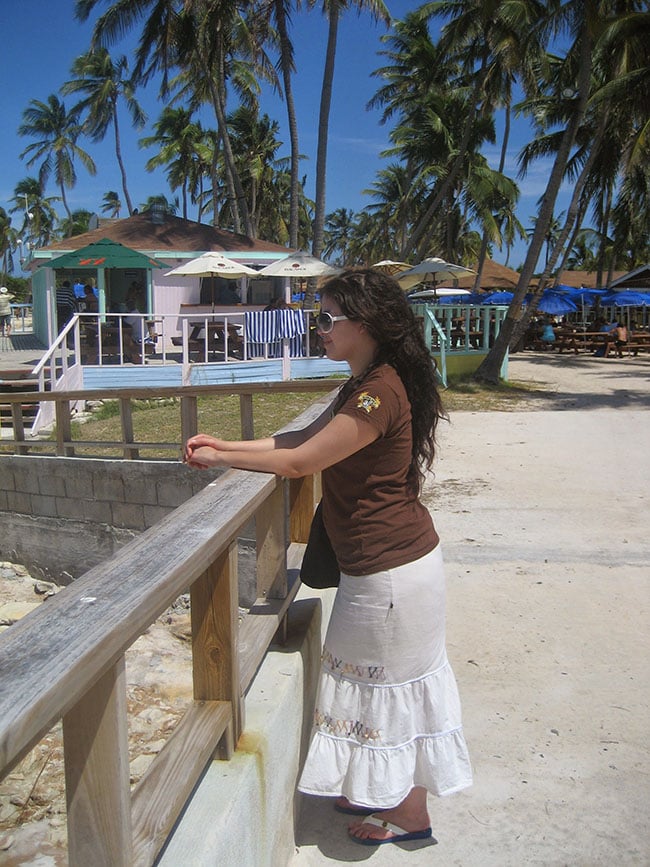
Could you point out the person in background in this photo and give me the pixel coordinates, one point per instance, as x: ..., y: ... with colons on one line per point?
x: 66, y: 305
x: 5, y: 312
x: 277, y: 304
x: 548, y: 334
x: 90, y: 299
x: 387, y: 723
x: 607, y: 329
x: 621, y: 338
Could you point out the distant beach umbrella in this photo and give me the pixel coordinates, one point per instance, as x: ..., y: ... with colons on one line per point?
x: 434, y: 268
x: 298, y: 265
x: 503, y: 298
x: 625, y: 299
x: 390, y: 267
x: 555, y: 303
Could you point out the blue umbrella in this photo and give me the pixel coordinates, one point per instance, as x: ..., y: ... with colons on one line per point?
x: 626, y: 299
x: 555, y: 303
x: 498, y: 298
x: 472, y: 298
x: 585, y: 296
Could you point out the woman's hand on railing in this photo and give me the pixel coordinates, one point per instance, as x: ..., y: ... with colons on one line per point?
x: 201, y: 450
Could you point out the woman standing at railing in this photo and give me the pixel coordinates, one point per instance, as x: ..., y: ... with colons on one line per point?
x: 387, y: 720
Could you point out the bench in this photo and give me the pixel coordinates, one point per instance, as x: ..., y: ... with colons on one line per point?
x: 631, y: 348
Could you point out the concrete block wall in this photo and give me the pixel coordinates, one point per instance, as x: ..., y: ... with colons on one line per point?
x: 61, y: 516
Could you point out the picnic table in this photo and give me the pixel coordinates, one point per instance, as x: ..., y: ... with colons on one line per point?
x: 577, y: 340
x: 210, y: 337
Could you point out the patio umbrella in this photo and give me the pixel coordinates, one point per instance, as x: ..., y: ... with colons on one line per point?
x: 466, y: 297
x: 437, y: 269
x: 440, y: 292
x: 104, y: 254
x: 390, y: 267
x: 555, y: 303
x: 625, y: 299
x: 212, y: 264
x: 299, y: 264
x: 498, y: 298
x: 584, y: 296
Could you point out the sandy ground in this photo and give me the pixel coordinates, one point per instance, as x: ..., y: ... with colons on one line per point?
x: 544, y: 517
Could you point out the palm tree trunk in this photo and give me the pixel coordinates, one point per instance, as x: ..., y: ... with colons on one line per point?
x: 450, y: 179
x: 502, y: 161
x: 67, y: 208
x: 214, y: 178
x: 561, y: 243
x: 285, y: 62
x: 120, y: 162
x: 490, y: 368
x: 236, y: 195
x: 323, y: 125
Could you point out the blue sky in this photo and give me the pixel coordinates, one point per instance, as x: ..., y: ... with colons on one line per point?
x: 41, y: 38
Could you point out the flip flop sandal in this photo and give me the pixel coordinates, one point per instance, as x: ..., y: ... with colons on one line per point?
x: 399, y: 834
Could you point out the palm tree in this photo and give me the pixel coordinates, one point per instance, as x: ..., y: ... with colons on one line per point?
x: 583, y: 21
x: 57, y: 131
x: 39, y: 216
x: 104, y: 83
x: 161, y: 204
x: 280, y: 11
x: 495, y: 39
x: 255, y: 144
x: 78, y: 223
x: 181, y: 144
x: 204, y: 39
x: 111, y: 204
x: 339, y: 228
x: 333, y: 9
x: 7, y: 242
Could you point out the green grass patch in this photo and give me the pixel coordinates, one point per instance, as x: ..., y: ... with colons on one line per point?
x: 159, y: 421
x: 464, y: 393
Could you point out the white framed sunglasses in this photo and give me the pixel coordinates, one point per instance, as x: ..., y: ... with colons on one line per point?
x: 325, y: 321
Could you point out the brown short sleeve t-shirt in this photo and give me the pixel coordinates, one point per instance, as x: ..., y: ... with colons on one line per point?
x: 373, y: 520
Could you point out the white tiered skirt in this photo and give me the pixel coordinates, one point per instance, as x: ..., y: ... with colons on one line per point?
x: 387, y: 714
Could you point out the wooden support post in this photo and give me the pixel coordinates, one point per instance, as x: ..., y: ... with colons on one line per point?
x: 19, y: 428
x: 246, y: 416
x: 189, y: 418
x: 304, y: 495
x: 126, y: 417
x: 270, y: 530
x: 96, y: 750
x: 215, y: 639
x: 63, y: 429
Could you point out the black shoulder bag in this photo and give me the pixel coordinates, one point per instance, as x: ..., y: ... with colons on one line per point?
x: 320, y: 568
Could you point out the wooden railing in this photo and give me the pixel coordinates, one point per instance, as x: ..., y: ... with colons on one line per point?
x: 65, y: 446
x: 66, y: 660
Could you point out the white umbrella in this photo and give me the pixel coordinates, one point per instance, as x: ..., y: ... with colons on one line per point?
x: 298, y: 265
x: 438, y: 268
x: 390, y: 267
x: 439, y: 292
x: 213, y: 264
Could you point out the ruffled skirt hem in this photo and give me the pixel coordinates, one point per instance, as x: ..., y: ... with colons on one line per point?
x: 376, y: 777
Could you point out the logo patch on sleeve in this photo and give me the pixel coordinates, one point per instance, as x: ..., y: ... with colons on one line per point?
x: 365, y: 401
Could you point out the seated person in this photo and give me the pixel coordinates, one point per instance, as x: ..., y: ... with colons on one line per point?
x: 621, y: 338
x: 548, y: 334
x: 91, y: 304
x: 457, y: 333
x: 608, y: 330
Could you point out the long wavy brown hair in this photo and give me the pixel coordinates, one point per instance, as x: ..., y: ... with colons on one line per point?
x: 369, y: 296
